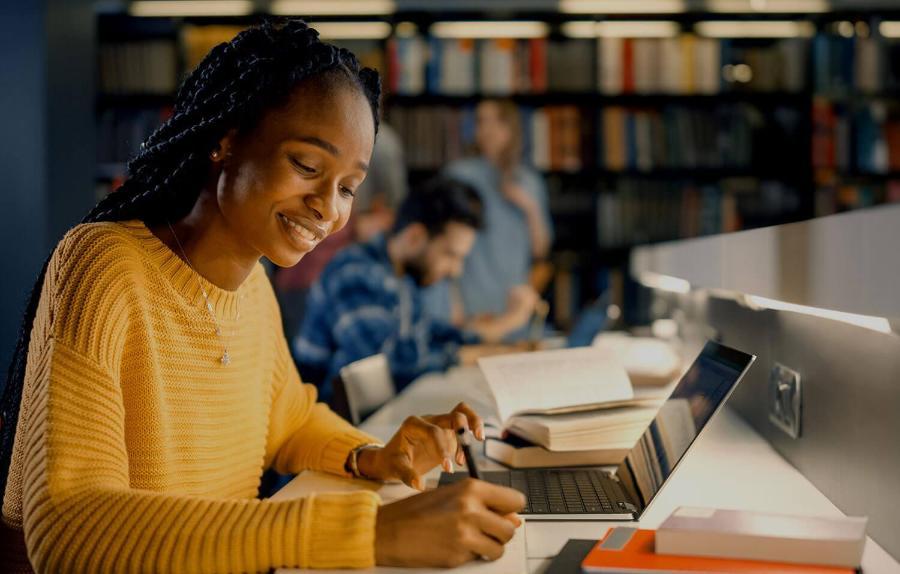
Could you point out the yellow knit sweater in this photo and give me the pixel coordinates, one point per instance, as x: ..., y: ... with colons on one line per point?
x: 137, y: 450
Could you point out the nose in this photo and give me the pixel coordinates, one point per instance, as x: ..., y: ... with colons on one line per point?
x: 324, y: 201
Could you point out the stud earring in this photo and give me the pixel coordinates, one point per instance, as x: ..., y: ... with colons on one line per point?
x: 214, y: 155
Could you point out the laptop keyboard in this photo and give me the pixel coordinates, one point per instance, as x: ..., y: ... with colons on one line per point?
x: 569, y: 492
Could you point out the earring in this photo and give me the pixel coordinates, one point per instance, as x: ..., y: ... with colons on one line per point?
x: 214, y: 155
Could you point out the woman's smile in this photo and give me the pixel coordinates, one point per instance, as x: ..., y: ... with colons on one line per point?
x: 303, y: 233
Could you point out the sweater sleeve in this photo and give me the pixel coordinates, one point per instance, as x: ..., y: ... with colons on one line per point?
x: 80, y: 511
x: 305, y: 434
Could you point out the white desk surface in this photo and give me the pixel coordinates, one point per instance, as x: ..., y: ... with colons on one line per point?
x: 729, y: 466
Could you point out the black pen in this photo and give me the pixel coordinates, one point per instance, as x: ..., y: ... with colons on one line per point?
x: 467, y: 452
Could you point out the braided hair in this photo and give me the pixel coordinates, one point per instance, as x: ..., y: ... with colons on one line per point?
x: 234, y: 85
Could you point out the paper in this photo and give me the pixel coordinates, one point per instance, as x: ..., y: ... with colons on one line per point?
x: 546, y: 380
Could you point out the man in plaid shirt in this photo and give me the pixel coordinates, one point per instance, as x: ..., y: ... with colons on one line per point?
x: 368, y: 299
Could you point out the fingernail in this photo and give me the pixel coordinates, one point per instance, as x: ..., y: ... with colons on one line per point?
x: 481, y: 433
x: 448, y: 464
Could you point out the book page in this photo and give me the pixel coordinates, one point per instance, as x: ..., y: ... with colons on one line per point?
x: 546, y: 380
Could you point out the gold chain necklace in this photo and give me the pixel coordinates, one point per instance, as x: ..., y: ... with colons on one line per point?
x: 226, y: 358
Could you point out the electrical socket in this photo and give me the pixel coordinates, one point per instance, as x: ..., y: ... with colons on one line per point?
x: 785, y: 399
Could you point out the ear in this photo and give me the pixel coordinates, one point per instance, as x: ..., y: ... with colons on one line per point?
x: 225, y: 147
x: 416, y: 236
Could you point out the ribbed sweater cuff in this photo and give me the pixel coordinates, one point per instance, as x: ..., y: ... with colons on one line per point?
x: 340, y: 530
x: 335, y: 453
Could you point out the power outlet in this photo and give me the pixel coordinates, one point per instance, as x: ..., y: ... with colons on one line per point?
x: 784, y: 399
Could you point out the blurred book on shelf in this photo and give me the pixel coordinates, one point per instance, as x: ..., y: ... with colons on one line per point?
x: 683, y: 65
x: 138, y: 67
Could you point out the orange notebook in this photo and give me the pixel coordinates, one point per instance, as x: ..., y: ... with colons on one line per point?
x: 629, y: 550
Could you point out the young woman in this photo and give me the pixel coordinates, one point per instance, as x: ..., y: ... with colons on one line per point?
x: 517, y: 227
x: 152, y: 385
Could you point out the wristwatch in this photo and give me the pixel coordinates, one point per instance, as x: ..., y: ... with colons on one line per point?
x: 352, y: 464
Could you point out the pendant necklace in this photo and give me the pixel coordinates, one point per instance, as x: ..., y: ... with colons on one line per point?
x: 226, y: 358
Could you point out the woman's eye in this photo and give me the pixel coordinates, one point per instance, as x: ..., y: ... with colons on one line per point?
x: 347, y: 191
x: 302, y: 168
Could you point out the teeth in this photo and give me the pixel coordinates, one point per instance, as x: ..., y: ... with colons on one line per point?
x: 300, y: 230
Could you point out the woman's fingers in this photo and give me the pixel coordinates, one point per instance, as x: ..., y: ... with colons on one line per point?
x: 406, y: 473
x: 439, y: 442
x: 475, y: 422
x: 501, y: 499
x: 496, y: 526
x: 484, y: 546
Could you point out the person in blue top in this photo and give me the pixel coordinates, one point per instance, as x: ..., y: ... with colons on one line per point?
x: 368, y: 299
x: 517, y: 227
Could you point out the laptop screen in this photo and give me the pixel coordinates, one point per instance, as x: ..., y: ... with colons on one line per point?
x: 699, y: 394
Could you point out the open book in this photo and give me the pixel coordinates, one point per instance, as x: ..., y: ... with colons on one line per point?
x: 557, y: 381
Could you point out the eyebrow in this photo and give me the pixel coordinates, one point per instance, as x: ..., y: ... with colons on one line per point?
x: 329, y: 147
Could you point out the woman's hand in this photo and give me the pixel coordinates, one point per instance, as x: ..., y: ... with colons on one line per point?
x: 447, y: 526
x: 420, y: 444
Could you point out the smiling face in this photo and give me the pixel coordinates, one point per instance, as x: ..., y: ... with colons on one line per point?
x: 289, y: 182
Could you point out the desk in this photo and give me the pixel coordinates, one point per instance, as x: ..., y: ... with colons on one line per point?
x: 729, y: 466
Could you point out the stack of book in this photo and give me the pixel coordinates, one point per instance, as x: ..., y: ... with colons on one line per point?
x: 568, y: 407
x: 711, y: 540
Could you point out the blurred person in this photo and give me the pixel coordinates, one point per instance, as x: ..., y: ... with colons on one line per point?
x: 517, y: 227
x: 368, y: 300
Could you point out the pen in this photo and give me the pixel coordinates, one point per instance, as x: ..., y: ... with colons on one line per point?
x: 467, y: 452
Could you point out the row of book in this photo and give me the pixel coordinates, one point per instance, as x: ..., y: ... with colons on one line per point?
x: 856, y: 137
x: 686, y: 64
x: 614, y: 138
x: 412, y: 65
x: 638, y: 211
x: 846, y: 196
x: 855, y: 64
x: 141, y: 67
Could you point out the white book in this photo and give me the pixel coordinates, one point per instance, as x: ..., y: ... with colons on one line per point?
x: 610, y: 62
x: 617, y: 428
x: 563, y: 380
x: 672, y: 66
x: 497, y: 67
x: 413, y: 54
x: 457, y: 67
x: 740, y: 534
x: 645, y: 65
x: 540, y: 140
x: 708, y: 66
x: 517, y: 452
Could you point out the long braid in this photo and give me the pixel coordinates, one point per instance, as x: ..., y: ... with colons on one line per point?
x: 231, y: 89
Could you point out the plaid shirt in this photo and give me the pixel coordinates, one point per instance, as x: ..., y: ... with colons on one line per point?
x: 360, y: 307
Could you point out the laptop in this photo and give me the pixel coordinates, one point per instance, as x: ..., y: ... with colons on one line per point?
x: 595, y: 493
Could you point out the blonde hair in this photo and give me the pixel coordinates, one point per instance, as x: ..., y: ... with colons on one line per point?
x: 508, y: 112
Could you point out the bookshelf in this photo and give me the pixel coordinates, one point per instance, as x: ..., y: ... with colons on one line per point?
x: 640, y: 139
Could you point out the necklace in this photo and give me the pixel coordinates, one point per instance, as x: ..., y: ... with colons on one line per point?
x: 226, y: 358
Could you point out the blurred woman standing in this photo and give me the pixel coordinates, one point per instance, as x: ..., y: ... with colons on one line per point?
x: 517, y: 232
